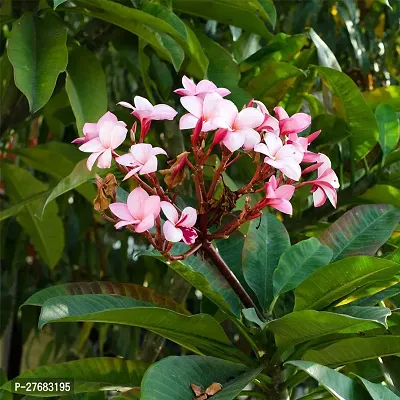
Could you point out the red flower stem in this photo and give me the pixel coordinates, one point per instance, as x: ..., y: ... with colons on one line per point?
x: 214, y: 256
x: 226, y: 155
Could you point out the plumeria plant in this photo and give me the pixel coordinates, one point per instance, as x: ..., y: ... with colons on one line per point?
x: 313, y: 309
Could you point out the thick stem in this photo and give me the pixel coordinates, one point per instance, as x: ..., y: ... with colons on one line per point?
x: 217, y: 260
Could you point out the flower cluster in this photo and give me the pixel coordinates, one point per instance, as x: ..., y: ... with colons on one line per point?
x: 276, y: 144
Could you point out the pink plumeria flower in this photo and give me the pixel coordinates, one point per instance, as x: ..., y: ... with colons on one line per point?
x: 270, y: 124
x: 112, y: 133
x: 302, y: 143
x: 294, y: 124
x: 278, y: 197
x: 326, y: 184
x: 179, y: 228
x: 91, y: 130
x: 199, y: 109
x: 201, y: 89
x: 286, y: 158
x: 140, y: 210
x: 239, y: 125
x: 141, y: 158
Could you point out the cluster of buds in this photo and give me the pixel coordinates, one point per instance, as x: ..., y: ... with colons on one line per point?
x: 273, y: 142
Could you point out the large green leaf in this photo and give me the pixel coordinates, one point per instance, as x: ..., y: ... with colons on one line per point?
x: 354, y: 350
x: 383, y: 95
x: 47, y: 235
x: 376, y: 314
x: 37, y: 50
x: 339, y: 385
x: 378, y: 391
x: 265, y: 243
x: 273, y: 82
x: 325, y: 54
x: 199, y: 333
x: 123, y: 289
x: 160, y: 380
x: 334, y: 281
x: 90, y: 375
x: 298, y: 263
x: 160, y: 28
x: 382, y: 193
x: 390, y: 367
x: 388, y: 125
x: 205, y: 277
x: 353, y: 108
x: 301, y: 326
x: 58, y: 160
x: 86, y: 86
x: 361, y: 231
x: 249, y: 15
x: 372, y: 294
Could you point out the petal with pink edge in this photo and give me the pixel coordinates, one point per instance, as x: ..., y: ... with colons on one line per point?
x: 136, y: 201
x: 274, y: 144
x: 158, y: 150
x: 105, y: 133
x: 233, y: 141
x: 149, y: 166
x: 205, y: 86
x: 108, y: 116
x: 226, y: 113
x: 171, y: 233
x: 189, y: 84
x: 249, y: 118
x: 142, y: 103
x: 104, y: 160
x: 118, y: 136
x: 281, y: 205
x: 319, y: 197
x: 91, y: 160
x: 261, y: 106
x: 188, y: 217
x: 281, y: 113
x: 210, y: 105
x: 132, y: 172
x: 90, y: 130
x: 262, y: 148
x: 295, y: 124
x: 121, y: 224
x: 92, y: 146
x: 126, y: 105
x: 121, y: 211
x: 285, y: 192
x: 141, y: 151
x: 127, y: 159
x: 291, y: 152
x: 289, y: 167
x: 193, y: 104
x: 251, y: 138
x: 152, y: 206
x: 223, y: 92
x: 170, y: 211
x: 146, y: 224
x: 162, y: 112
x: 188, y: 121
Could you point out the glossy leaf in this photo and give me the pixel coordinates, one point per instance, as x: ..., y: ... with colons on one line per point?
x: 337, y: 384
x: 361, y: 231
x: 89, y: 375
x: 86, y: 87
x: 249, y: 16
x: 383, y: 95
x: 382, y: 193
x: 388, y: 125
x: 376, y: 314
x: 122, y: 289
x: 160, y: 380
x: 375, y: 293
x: 298, y: 262
x: 38, y: 52
x: 390, y: 367
x: 353, y: 108
x: 199, y: 333
x: 205, y: 277
x: 354, y: 350
x: 326, y: 57
x: 47, y: 235
x: 334, y: 281
x: 264, y: 244
x: 302, y: 326
x: 378, y: 391
x: 58, y: 3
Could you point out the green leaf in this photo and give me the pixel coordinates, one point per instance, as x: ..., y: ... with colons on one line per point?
x: 374, y: 293
x: 388, y: 125
x: 160, y: 380
x: 273, y: 82
x: 378, y: 391
x: 390, y: 367
x: 361, y: 231
x: 334, y: 281
x: 58, y: 160
x: 58, y: 3
x: 123, y: 289
x: 251, y: 315
x: 205, y: 277
x: 382, y: 193
x: 47, y: 235
x: 89, y: 375
x: 199, y: 333
x: 326, y: 57
x: 376, y: 314
x: 302, y: 326
x: 38, y: 52
x: 86, y: 87
x: 354, y: 350
x: 384, y: 95
x: 249, y: 15
x: 339, y: 385
x: 298, y: 262
x: 353, y: 108
x: 334, y: 129
x: 263, y: 247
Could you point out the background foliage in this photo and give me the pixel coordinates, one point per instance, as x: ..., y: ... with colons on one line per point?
x: 66, y: 63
